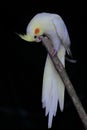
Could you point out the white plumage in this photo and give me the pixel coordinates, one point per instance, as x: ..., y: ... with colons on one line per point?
x: 54, y: 27
x: 53, y: 88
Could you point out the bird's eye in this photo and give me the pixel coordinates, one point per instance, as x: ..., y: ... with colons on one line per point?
x: 35, y: 36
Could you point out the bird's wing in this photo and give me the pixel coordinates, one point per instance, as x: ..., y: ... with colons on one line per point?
x: 62, y: 33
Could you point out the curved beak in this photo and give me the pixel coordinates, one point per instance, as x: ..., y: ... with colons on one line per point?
x: 26, y: 37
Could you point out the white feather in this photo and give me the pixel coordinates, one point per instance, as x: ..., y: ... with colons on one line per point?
x: 62, y: 33
x: 61, y: 29
x: 53, y: 88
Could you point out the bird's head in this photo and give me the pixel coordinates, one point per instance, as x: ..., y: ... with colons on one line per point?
x: 33, y: 32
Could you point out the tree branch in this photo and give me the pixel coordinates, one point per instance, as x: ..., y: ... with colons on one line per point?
x: 69, y: 87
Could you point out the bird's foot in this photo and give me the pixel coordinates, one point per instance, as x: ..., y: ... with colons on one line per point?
x: 53, y: 52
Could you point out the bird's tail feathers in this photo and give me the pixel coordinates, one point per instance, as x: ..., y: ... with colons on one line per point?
x: 53, y: 89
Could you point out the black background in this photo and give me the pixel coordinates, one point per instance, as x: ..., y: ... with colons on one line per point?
x: 22, y: 66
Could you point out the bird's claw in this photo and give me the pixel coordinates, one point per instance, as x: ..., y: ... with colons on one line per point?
x: 53, y: 52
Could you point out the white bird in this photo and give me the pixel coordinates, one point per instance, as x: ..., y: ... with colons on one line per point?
x: 53, y: 88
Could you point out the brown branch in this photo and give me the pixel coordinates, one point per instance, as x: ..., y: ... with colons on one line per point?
x: 69, y: 87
